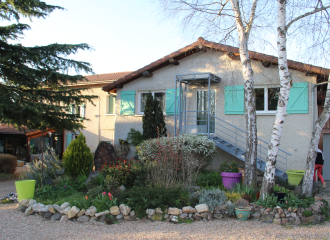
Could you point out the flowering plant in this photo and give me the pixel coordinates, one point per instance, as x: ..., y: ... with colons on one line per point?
x: 9, y: 198
x: 119, y: 170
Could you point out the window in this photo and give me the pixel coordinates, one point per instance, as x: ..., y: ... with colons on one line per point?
x: 266, y: 99
x: 158, y: 95
x: 111, y: 104
x: 78, y: 110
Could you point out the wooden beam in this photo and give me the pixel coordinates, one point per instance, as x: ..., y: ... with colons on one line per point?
x: 173, y: 61
x: 266, y: 64
x: 232, y: 56
x: 119, y: 86
x: 147, y: 74
x: 307, y: 73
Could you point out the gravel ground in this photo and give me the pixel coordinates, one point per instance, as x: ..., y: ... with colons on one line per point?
x: 13, y: 225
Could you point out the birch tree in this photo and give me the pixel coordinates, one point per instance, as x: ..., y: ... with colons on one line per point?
x: 237, y: 20
x: 285, y: 86
x: 313, y: 146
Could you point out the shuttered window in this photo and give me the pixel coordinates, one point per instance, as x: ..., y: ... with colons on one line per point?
x: 68, y: 139
x: 170, y: 101
x: 234, y: 99
x: 298, y: 98
x: 127, y: 103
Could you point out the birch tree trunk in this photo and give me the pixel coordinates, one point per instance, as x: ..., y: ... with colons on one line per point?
x: 319, y: 124
x: 249, y: 97
x: 285, y: 85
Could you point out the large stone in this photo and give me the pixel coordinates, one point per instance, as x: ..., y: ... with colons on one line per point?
x: 73, y: 212
x: 124, y: 209
x: 37, y: 207
x: 183, y: 215
x: 297, y: 221
x: 278, y: 221
x: 285, y: 220
x: 44, y: 209
x: 102, y: 213
x: 91, y: 211
x: 91, y: 176
x: 28, y: 211
x: 157, y: 217
x: 119, y: 216
x: 24, y: 202
x: 32, y: 202
x: 202, y: 208
x: 57, y: 208
x: 66, y: 211
x: 114, y: 210
x: 150, y: 212
x: 188, y: 209
x: 64, y: 218
x: 132, y: 214
x: 51, y: 209
x: 173, y: 211
x: 83, y: 218
x: 56, y: 217
x: 82, y: 212
x: 47, y: 215
x: 104, y: 154
x: 158, y: 210
x: 65, y: 205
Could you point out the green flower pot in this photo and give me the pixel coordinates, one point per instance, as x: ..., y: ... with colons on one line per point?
x: 243, y: 213
x: 295, y: 176
x: 25, y: 189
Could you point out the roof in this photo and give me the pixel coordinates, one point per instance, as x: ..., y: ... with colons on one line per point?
x: 102, y: 78
x: 204, y: 45
x: 9, y: 129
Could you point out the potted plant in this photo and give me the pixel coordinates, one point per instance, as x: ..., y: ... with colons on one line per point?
x: 280, y: 193
x: 242, y: 213
x: 230, y: 174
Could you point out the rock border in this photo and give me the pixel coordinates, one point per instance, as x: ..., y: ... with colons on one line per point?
x: 201, y: 212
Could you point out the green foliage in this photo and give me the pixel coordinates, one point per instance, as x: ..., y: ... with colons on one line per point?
x: 135, y: 137
x: 231, y: 208
x: 233, y: 167
x: 209, y: 179
x: 242, y: 189
x: 291, y: 200
x: 78, y: 158
x: 233, y: 196
x: 270, y: 201
x: 144, y: 197
x: 278, y: 188
x: 212, y: 197
x: 34, y: 79
x: 307, y: 213
x: 153, y: 123
x: 52, y: 168
x: 8, y: 163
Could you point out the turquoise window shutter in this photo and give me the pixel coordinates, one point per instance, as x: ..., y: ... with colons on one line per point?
x: 234, y: 99
x: 68, y: 139
x: 170, y: 101
x: 298, y: 98
x: 127, y: 103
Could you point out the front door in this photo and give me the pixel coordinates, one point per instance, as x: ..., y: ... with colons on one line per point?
x: 326, y: 154
x: 202, y: 110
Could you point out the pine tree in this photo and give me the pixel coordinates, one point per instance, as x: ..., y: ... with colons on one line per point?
x: 148, y: 120
x: 159, y: 120
x: 33, y: 79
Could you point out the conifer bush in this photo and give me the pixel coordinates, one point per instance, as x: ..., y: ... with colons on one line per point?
x: 78, y: 158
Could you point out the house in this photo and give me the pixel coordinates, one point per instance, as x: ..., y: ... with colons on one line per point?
x: 211, y: 101
x: 101, y: 115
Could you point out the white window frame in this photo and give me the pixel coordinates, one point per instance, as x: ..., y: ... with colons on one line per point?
x: 107, y: 105
x: 153, y: 94
x: 266, y: 111
x: 82, y: 114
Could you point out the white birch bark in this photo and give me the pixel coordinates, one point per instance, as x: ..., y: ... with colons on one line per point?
x: 310, y: 165
x: 285, y: 85
x: 249, y: 97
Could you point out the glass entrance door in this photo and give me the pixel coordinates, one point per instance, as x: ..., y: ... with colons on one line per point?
x: 202, y: 110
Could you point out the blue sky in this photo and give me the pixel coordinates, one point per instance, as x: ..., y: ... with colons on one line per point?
x: 126, y: 35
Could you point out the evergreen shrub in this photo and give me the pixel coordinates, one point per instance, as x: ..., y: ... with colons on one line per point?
x: 212, y: 197
x: 78, y: 158
x: 8, y: 163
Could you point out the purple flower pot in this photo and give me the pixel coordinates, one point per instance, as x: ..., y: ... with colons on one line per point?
x: 230, y: 179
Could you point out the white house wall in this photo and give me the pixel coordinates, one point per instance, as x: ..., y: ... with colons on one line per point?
x: 297, y: 130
